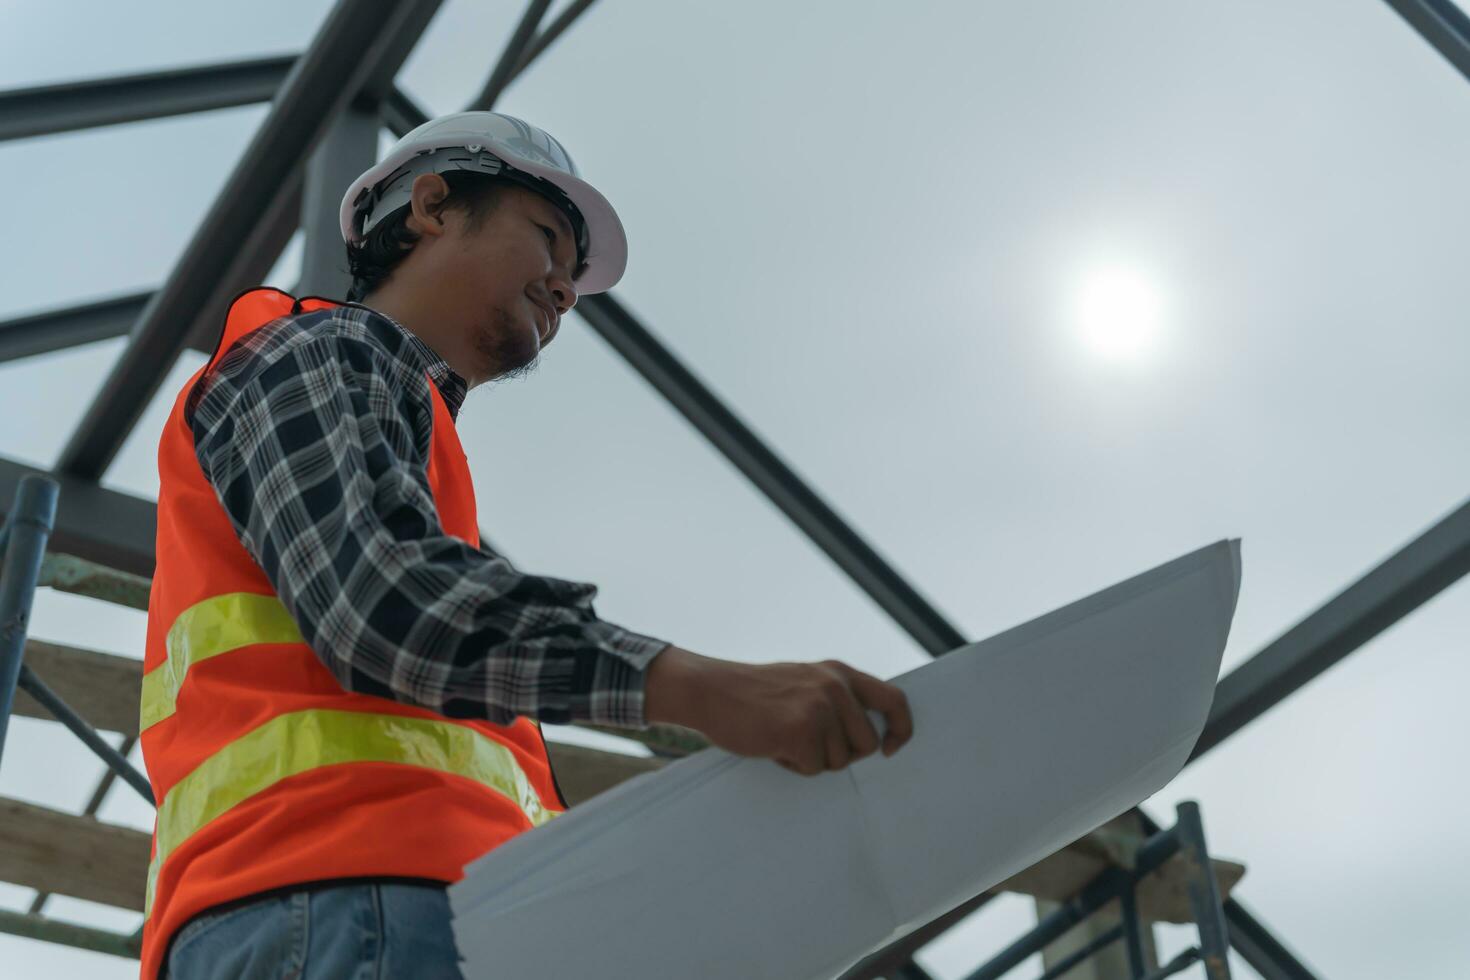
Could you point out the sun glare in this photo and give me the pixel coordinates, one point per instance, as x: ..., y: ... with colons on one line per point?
x: 1120, y: 312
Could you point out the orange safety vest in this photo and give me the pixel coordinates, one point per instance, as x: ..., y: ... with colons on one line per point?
x: 266, y: 771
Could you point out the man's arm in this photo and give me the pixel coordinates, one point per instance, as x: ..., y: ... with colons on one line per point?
x: 320, y: 461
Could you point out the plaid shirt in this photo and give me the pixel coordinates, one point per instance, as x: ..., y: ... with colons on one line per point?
x: 314, y: 431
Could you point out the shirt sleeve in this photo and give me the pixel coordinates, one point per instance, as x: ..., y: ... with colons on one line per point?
x: 320, y: 461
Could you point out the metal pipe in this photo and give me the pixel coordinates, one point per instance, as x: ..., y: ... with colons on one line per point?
x: 1097, y: 893
x: 48, y: 699
x: 29, y: 525
x: 1098, y: 944
x: 1248, y: 937
x: 105, y: 526
x: 1108, y: 885
x: 1204, y: 892
x: 1178, y: 964
x: 1132, y: 926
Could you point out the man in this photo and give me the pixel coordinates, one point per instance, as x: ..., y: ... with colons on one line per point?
x: 342, y: 688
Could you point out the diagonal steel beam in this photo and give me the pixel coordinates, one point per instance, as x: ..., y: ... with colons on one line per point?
x: 1443, y: 24
x: 1400, y: 584
x: 49, y: 109
x: 546, y: 38
x: 400, y: 113
x: 246, y: 265
x: 743, y: 448
x: 360, y: 44
x: 506, y: 68
x: 41, y: 333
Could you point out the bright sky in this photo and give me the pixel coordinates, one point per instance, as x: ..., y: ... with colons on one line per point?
x: 1037, y: 296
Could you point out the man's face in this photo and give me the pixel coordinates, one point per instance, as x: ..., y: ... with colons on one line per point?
x: 512, y: 275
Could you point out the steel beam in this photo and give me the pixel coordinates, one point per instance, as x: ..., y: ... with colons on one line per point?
x: 510, y: 58
x: 743, y: 448
x: 548, y: 37
x: 67, y: 715
x: 401, y: 113
x: 105, y: 526
x: 49, y: 109
x: 360, y: 41
x: 349, y: 148
x: 1443, y: 24
x: 1406, y: 580
x: 41, y: 333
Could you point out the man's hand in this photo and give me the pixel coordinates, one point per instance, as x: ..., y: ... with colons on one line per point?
x: 807, y: 717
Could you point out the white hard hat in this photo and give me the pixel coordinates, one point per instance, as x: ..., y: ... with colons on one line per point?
x: 503, y: 146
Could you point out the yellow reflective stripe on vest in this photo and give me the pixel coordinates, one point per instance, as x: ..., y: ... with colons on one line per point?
x: 304, y: 740
x: 208, y: 629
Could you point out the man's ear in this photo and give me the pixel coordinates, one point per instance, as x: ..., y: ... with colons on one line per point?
x: 426, y: 205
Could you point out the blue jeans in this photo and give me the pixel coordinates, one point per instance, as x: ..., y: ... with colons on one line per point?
x: 357, y: 930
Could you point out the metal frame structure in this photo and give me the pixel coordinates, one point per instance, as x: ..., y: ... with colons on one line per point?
x: 326, y: 108
x: 1120, y: 885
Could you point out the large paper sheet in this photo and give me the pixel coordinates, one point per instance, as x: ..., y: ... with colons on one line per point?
x: 720, y: 867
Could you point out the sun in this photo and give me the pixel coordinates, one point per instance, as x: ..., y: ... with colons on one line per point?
x: 1120, y: 313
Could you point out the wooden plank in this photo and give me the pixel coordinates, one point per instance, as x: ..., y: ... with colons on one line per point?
x: 60, y: 852
x: 101, y: 687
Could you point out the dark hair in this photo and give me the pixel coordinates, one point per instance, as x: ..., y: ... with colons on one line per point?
x: 372, y: 262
